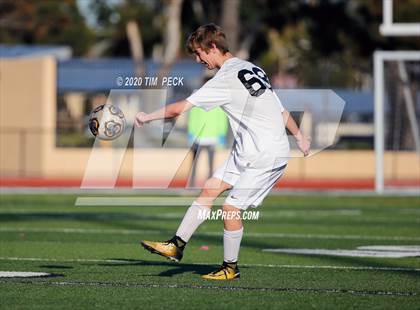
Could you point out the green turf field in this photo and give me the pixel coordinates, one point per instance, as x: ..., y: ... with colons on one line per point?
x: 95, y: 256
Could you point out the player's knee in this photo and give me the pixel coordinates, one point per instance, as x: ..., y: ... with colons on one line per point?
x: 214, y: 187
x: 232, y: 213
x: 232, y: 218
x: 230, y: 208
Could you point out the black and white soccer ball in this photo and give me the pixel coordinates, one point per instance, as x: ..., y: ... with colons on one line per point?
x: 107, y: 122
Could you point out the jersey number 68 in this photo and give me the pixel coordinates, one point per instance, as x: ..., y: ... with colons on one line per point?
x: 255, y: 81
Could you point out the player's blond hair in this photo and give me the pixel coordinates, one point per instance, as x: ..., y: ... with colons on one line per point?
x: 205, y: 36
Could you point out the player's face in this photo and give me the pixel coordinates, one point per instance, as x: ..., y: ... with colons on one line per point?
x: 205, y: 58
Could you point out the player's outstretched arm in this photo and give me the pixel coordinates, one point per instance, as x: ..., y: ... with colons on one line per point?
x: 303, y: 142
x: 169, y: 111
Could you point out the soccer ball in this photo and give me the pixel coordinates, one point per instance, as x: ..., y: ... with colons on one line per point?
x: 107, y: 122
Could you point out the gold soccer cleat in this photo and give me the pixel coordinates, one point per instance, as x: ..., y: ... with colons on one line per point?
x: 166, y: 249
x: 225, y: 272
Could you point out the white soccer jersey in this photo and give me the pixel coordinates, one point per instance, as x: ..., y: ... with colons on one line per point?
x: 244, y: 92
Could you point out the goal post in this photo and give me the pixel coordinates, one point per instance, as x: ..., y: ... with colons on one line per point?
x: 390, y: 28
x: 380, y: 57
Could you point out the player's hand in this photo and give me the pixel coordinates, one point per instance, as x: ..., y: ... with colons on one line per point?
x: 304, y: 145
x: 141, y: 119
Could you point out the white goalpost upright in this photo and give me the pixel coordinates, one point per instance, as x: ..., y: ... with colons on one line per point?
x: 390, y: 28
x: 379, y: 102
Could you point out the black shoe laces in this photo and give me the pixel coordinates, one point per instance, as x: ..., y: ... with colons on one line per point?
x: 223, y: 268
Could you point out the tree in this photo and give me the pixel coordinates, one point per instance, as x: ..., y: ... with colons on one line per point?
x: 342, y: 36
x: 172, y: 35
x: 230, y: 22
x: 44, y: 22
x: 112, y: 20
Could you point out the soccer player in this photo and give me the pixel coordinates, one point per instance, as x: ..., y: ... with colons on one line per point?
x: 259, y: 153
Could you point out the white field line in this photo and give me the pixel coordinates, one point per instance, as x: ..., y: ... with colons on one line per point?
x: 348, y: 253
x: 20, y: 274
x: 142, y: 201
x: 219, y: 288
x: 389, y: 191
x: 399, y: 248
x: 309, y: 213
x: 139, y: 201
x: 87, y: 260
x: 160, y: 201
x: 248, y: 234
x: 179, y: 215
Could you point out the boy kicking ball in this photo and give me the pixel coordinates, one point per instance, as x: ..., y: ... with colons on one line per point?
x: 259, y: 154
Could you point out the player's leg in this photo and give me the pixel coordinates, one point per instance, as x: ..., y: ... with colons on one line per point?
x: 199, y: 210
x: 221, y: 181
x: 193, y: 218
x: 232, y: 236
x: 212, y: 189
x: 250, y: 190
